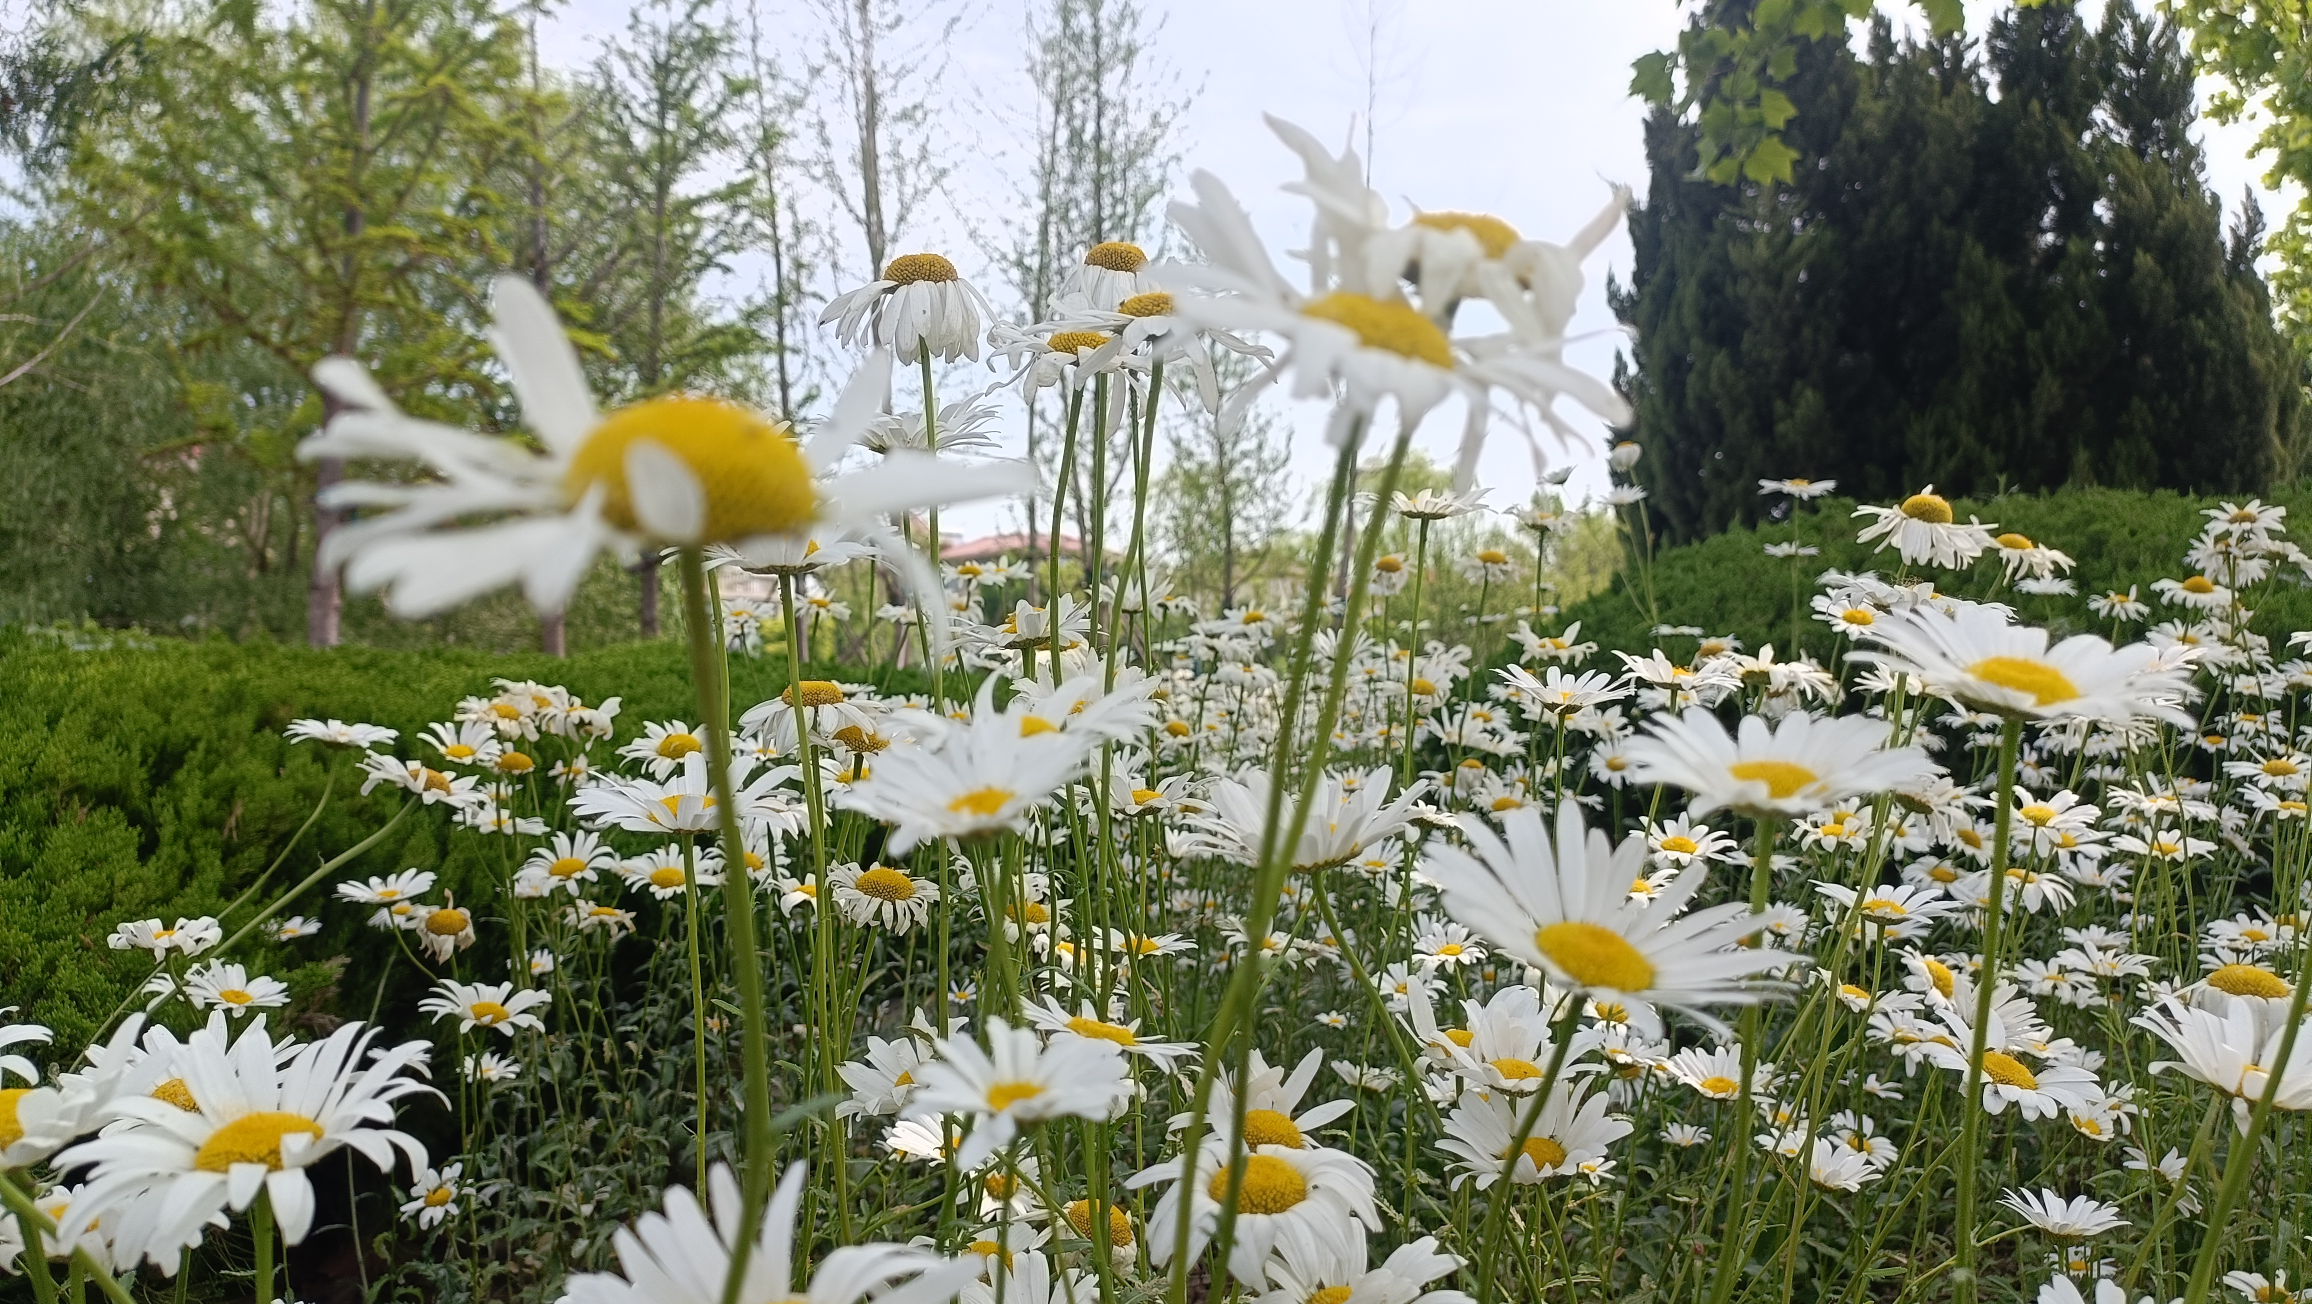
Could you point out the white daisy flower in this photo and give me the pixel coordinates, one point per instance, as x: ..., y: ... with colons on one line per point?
x: 885, y: 1081
x: 1272, y: 1103
x: 337, y: 733
x: 2064, y: 1219
x: 1017, y: 1080
x: 562, y: 863
x: 1326, y: 1271
x: 882, y: 896
x: 1975, y: 656
x: 1798, y: 765
x: 486, y: 1005
x: 259, y: 1121
x: 919, y: 303
x: 433, y: 1197
x: 676, y: 470
x: 1923, y: 531
x: 1053, y: 1017
x: 1315, y: 1196
x: 231, y: 988
x: 1571, y: 1128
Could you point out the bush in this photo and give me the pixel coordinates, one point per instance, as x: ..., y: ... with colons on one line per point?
x: 1726, y: 584
x: 144, y: 778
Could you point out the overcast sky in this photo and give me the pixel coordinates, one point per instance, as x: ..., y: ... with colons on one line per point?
x: 1513, y: 107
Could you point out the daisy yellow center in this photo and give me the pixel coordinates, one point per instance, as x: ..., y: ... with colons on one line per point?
x: 1422, y: 688
x: 11, y: 1129
x: 1852, y: 992
x: 1858, y: 616
x: 747, y: 470
x: 1544, y: 1152
x: 1270, y: 1186
x: 1142, y: 796
x: 1718, y: 1084
x: 439, y: 1196
x: 1940, y: 975
x: 2038, y: 814
x: 1177, y: 728
x: 1513, y: 1069
x: 1595, y: 956
x: 2014, y: 541
x: 437, y: 781
x: 1493, y: 235
x: 1934, y: 509
x: 176, y: 1093
x: 1884, y: 908
x: 506, y: 710
x: 1076, y: 341
x: 449, y: 921
x: 2279, y: 767
x: 1004, y: 1095
x: 2008, y: 1071
x: 458, y: 752
x: 253, y: 1138
x: 566, y: 867
x: 1332, y: 1295
x: 1390, y: 327
x: 2200, y: 584
x: 2248, y: 980
x: 1783, y: 779
x: 906, y: 1079
x: 1098, y: 1031
x: 1493, y: 556
x: 236, y: 996
x: 1269, y: 1127
x: 990, y: 1250
x: 489, y: 1013
x: 2037, y: 680
x: 1451, y: 949
x: 907, y: 269
x: 983, y: 802
x: 1032, y: 726
x: 1681, y: 844
x: 1119, y: 1223
x: 1507, y: 803
x: 666, y: 876
x: 1116, y: 256
x: 675, y: 746
x: 886, y: 885
x: 1389, y: 565
x: 1033, y: 912
x: 1155, y: 303
x: 816, y: 692
x: 516, y: 763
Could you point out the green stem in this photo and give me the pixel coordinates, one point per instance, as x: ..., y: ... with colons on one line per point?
x: 738, y: 897
x: 1497, y: 1209
x: 261, y: 1234
x: 1970, y: 1156
x: 327, y: 868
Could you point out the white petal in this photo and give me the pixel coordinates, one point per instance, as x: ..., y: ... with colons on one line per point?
x: 546, y: 375
x: 668, y: 500
x: 351, y: 384
x: 292, y: 1198
x: 862, y: 400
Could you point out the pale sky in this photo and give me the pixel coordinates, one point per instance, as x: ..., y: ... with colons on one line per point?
x: 1513, y: 107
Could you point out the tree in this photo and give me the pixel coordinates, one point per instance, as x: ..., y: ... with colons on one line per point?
x: 662, y: 101
x: 875, y: 153
x: 1227, y: 495
x: 1977, y: 291
x: 311, y: 186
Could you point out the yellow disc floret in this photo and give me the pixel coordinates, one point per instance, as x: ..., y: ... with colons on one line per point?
x: 983, y: 802
x: 2008, y: 1071
x: 886, y: 885
x: 1098, y: 1031
x: 1271, y: 1185
x: 816, y: 692
x: 174, y: 1091
x: 1155, y: 303
x: 1076, y: 341
x: 1934, y: 509
x: 907, y: 269
x: 2037, y: 680
x: 1544, y: 1152
x: 749, y: 472
x: 1119, y: 1223
x: 1391, y: 327
x: 1783, y: 779
x: 1595, y: 956
x: 449, y: 921
x: 1004, y: 1095
x: 2248, y: 980
x: 1495, y: 236
x: 253, y: 1138
x: 1116, y: 256
x: 1269, y: 1127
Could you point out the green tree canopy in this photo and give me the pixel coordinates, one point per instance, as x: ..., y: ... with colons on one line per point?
x: 1995, y: 266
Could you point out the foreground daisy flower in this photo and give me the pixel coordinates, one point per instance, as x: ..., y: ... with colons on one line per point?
x: 1053, y: 1017
x: 1567, y: 910
x: 2232, y: 1052
x: 1305, y: 1271
x: 1975, y: 656
x: 1017, y: 1080
x: 486, y: 1005
x: 1800, y: 765
x: 1272, y: 1103
x: 258, y: 1122
x: 978, y: 779
x: 1573, y: 1128
x: 1320, y: 1198
x: 1924, y: 532
x: 682, y: 1257
x: 672, y: 471
x: 337, y: 733
x: 2065, y: 1219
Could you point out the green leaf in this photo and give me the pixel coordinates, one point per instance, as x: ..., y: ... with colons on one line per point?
x: 1650, y: 78
x: 1783, y: 64
x: 1769, y: 161
x: 1947, y: 16
x: 1776, y: 108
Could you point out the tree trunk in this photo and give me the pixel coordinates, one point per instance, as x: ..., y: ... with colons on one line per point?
x: 646, y: 605
x: 324, y: 596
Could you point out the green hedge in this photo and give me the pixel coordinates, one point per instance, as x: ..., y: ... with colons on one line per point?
x: 149, y: 777
x: 1727, y: 585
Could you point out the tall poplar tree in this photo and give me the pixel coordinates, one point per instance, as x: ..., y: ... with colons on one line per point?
x: 1983, y: 291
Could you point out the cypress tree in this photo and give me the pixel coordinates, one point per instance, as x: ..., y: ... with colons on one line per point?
x: 1997, y: 267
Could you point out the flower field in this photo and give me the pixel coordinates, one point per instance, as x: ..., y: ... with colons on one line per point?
x: 1888, y: 904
